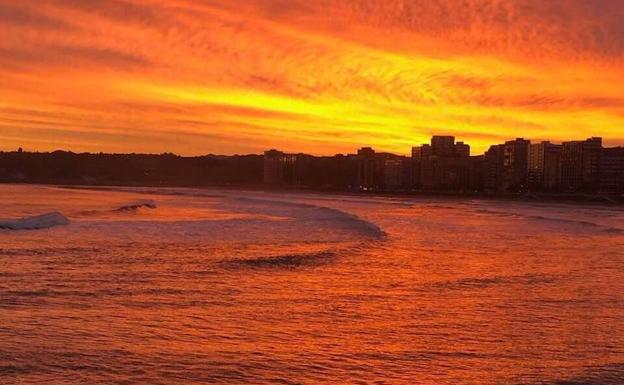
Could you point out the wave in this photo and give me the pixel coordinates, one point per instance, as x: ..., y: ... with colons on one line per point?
x: 355, y: 222
x: 577, y: 222
x: 614, y: 230
x: 36, y: 222
x: 316, y: 213
x: 289, y: 261
x: 134, y: 206
x: 303, y: 212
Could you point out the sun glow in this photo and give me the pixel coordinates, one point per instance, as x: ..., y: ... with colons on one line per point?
x: 241, y: 77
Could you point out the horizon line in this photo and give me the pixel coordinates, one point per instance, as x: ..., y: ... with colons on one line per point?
x: 261, y: 153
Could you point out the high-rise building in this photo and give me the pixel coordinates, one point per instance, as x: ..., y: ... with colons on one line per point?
x: 367, y: 169
x: 592, y: 151
x: 443, y: 145
x: 544, y: 166
x: 612, y: 170
x: 571, y: 166
x: 580, y: 164
x: 279, y: 168
x: 475, y: 173
x: 462, y: 149
x: 419, y: 155
x: 395, y: 171
x: 443, y: 165
x: 493, y: 161
x: 515, y: 161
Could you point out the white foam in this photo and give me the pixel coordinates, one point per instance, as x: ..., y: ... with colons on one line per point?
x: 306, y: 212
x: 36, y: 222
x: 148, y: 203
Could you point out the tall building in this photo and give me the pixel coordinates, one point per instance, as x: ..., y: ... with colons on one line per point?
x: 580, y: 164
x: 612, y: 170
x: 592, y: 151
x: 279, y: 168
x: 367, y: 169
x: 475, y: 173
x: 493, y: 168
x: 419, y: 155
x: 515, y: 161
x: 443, y: 145
x: 462, y: 149
x: 396, y: 173
x: 544, y: 166
x: 443, y: 165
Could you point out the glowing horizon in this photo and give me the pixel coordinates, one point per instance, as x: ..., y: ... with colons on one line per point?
x: 324, y: 77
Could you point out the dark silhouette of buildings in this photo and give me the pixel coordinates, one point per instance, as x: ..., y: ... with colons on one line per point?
x: 515, y: 169
x: 516, y: 166
x: 493, y: 161
x: 612, y: 170
x: 368, y: 173
x: 397, y: 173
x: 544, y: 166
x: 279, y: 168
x: 442, y: 165
x: 580, y: 165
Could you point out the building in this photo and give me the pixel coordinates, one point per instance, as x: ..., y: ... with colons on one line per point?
x: 445, y: 165
x: 493, y: 161
x: 612, y: 170
x: 515, y: 161
x: 419, y: 155
x: 442, y: 165
x: 580, y: 165
x: 279, y: 168
x: 367, y: 175
x: 475, y: 173
x: 443, y: 145
x: 592, y: 152
x: 462, y: 149
x: 544, y: 167
x: 396, y: 173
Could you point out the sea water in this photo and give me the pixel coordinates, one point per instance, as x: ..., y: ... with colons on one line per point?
x: 189, y: 286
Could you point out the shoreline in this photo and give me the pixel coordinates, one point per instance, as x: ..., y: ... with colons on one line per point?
x: 584, y: 198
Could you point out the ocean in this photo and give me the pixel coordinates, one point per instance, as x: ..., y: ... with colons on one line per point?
x: 198, y: 286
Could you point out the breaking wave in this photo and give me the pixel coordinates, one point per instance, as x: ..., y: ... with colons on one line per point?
x: 36, y: 222
x: 304, y: 213
x: 309, y: 212
x: 134, y: 206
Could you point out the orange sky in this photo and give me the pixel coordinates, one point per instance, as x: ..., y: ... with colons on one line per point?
x: 323, y: 76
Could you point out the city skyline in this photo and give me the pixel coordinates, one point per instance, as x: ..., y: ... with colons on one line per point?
x: 444, y: 164
x: 406, y: 153
x: 214, y: 76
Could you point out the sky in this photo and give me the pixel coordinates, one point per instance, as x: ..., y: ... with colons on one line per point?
x: 322, y: 77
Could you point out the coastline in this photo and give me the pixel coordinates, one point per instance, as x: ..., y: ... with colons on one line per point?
x: 580, y: 198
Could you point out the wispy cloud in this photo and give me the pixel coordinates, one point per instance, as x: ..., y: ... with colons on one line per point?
x: 322, y: 77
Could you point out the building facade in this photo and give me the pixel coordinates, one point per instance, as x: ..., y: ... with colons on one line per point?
x: 279, y: 168
x: 515, y: 160
x: 544, y: 167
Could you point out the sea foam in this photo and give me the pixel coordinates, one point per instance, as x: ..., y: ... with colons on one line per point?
x: 133, y: 206
x: 36, y: 222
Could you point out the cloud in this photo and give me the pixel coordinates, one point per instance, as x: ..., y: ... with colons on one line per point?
x: 13, y: 16
x: 322, y: 76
